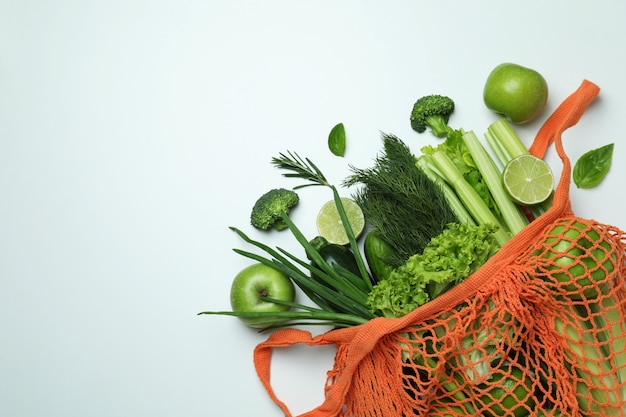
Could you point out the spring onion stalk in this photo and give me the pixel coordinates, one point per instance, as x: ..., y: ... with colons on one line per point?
x: 472, y: 201
x: 344, y: 294
x: 292, y: 318
x: 510, y: 212
x: 332, y: 298
x: 351, y: 238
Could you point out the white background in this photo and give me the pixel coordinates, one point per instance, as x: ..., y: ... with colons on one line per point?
x: 133, y: 133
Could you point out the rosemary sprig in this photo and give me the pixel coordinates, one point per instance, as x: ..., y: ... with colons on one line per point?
x: 300, y: 168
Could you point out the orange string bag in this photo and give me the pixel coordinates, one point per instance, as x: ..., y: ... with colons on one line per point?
x: 538, y: 330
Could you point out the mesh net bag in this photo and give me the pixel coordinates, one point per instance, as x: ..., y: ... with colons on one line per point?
x: 539, y: 330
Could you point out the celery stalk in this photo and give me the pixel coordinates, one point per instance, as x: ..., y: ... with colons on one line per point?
x: 510, y: 212
x: 508, y: 141
x: 506, y: 145
x: 470, y: 198
x: 425, y: 163
x: 501, y: 154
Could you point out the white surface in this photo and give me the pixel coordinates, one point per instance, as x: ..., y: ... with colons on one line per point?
x: 133, y: 133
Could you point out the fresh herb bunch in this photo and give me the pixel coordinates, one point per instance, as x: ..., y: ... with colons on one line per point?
x: 399, y: 200
x: 340, y: 297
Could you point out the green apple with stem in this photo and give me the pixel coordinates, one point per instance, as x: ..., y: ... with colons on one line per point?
x: 256, y: 282
x: 515, y: 91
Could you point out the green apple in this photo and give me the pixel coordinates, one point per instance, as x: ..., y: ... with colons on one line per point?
x: 254, y: 282
x: 517, y: 92
x: 510, y: 391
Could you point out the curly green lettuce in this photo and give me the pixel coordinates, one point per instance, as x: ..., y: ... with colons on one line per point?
x: 448, y: 259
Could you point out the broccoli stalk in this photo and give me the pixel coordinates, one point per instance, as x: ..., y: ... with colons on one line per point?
x: 268, y: 209
x: 432, y: 111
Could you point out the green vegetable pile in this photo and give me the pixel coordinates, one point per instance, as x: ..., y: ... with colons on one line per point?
x: 433, y: 219
x: 450, y: 257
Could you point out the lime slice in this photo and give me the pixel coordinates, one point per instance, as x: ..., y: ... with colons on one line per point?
x: 528, y: 179
x: 330, y: 226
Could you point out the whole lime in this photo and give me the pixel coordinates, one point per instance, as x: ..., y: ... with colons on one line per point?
x: 517, y: 92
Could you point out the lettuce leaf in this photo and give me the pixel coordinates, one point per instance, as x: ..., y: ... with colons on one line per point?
x: 448, y: 259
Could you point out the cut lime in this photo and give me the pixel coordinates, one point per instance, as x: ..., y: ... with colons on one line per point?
x: 330, y: 226
x: 528, y: 179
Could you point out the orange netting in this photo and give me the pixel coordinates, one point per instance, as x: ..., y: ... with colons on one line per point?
x: 540, y: 329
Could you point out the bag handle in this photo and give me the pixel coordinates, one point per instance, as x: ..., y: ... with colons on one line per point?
x: 360, y: 340
x: 263, y: 356
x: 565, y: 116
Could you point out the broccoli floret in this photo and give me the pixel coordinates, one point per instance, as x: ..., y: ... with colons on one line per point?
x: 268, y: 209
x: 432, y: 111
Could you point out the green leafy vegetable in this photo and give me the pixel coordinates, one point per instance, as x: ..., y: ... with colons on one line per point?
x: 593, y: 166
x: 449, y: 258
x: 400, y: 201
x: 337, y: 140
x: 455, y: 148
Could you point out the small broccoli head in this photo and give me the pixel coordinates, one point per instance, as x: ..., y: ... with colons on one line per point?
x: 267, y: 211
x: 432, y: 111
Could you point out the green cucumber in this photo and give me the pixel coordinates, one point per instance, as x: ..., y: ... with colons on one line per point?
x: 377, y: 253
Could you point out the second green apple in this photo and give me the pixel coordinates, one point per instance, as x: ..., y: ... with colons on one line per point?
x: 515, y: 91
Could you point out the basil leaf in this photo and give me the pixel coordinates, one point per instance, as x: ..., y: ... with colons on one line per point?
x: 337, y: 140
x: 593, y: 166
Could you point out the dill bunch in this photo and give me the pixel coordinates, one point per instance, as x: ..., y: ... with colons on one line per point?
x: 399, y: 201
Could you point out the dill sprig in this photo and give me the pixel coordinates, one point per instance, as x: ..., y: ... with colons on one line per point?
x: 400, y: 201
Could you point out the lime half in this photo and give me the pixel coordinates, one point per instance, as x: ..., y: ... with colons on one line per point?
x: 330, y: 226
x: 528, y: 179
